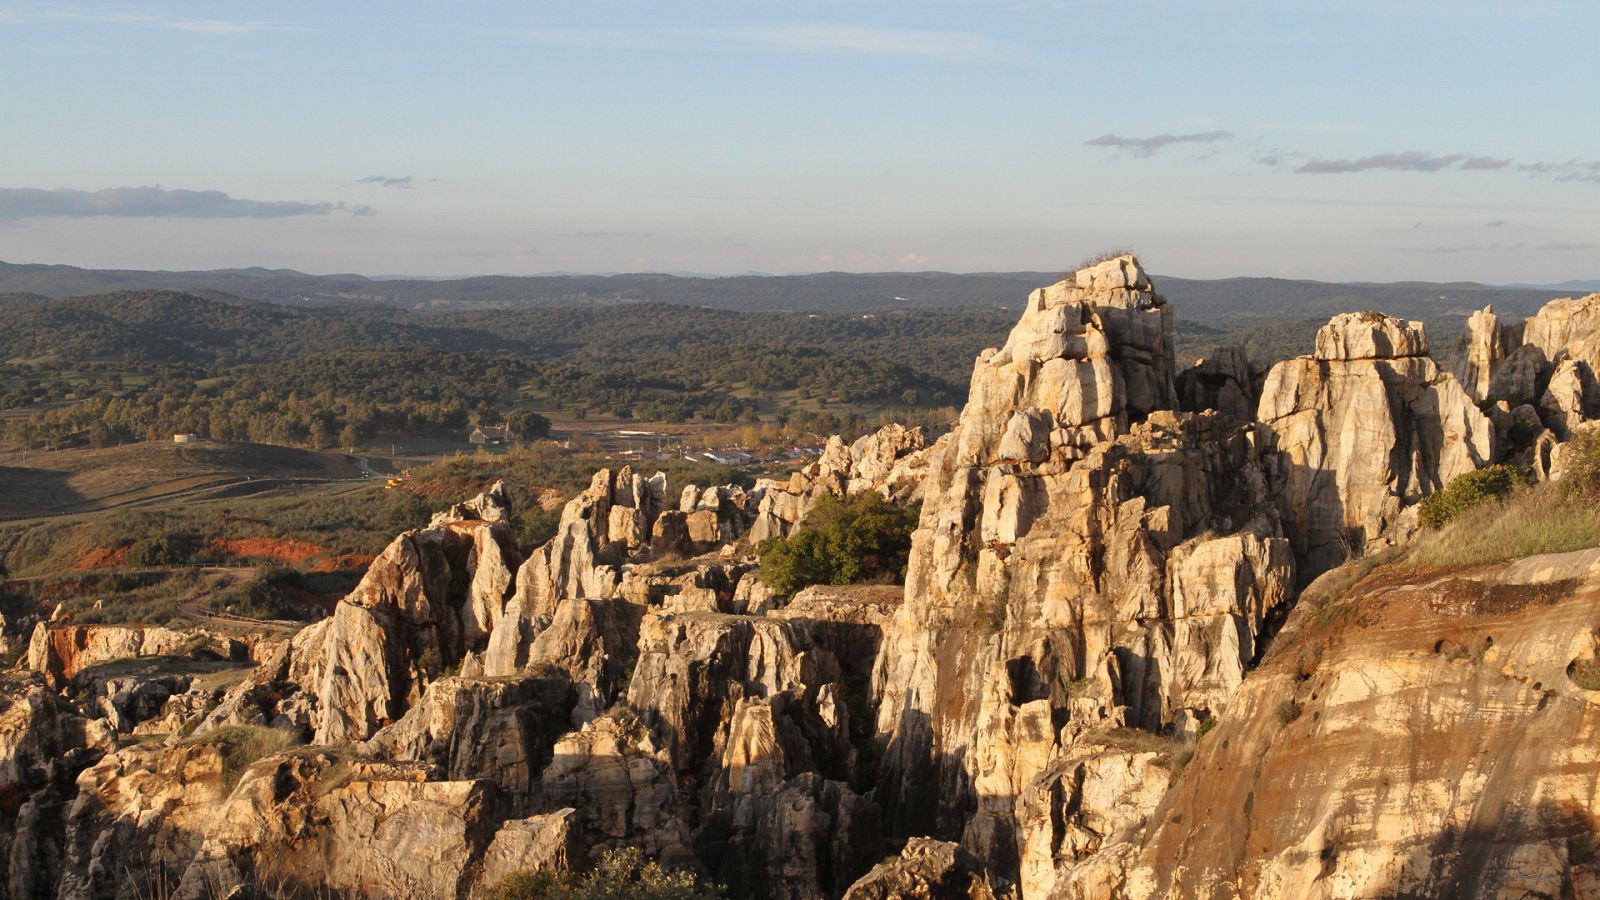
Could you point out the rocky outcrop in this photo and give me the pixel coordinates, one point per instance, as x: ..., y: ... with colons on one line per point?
x: 1429, y: 747
x: 500, y: 729
x: 550, y: 842
x: 1571, y: 398
x: 142, y: 811
x: 1228, y: 381
x: 1361, y: 429
x: 316, y: 821
x: 772, y: 827
x: 891, y: 461
x: 1096, y: 681
x: 1549, y: 359
x: 621, y: 782
x: 1085, y: 559
x: 61, y: 651
x: 1478, y: 353
x: 925, y: 870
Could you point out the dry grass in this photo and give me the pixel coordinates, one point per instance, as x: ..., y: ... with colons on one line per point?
x: 242, y: 745
x: 1103, y: 256
x: 1542, y: 519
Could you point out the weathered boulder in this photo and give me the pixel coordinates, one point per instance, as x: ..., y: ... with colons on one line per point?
x: 925, y: 870
x: 500, y: 729
x: 622, y: 785
x: 1566, y: 329
x: 1370, y: 335
x: 1573, y: 396
x: 493, y: 505
x: 1357, y: 437
x: 550, y: 842
x: 313, y: 821
x: 138, y: 819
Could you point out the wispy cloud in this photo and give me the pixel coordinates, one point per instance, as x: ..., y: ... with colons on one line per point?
x: 1146, y: 146
x: 950, y: 46
x: 94, y: 15
x: 1571, y: 170
x: 389, y: 181
x: 1403, y: 161
x: 156, y: 202
x: 1497, y: 247
x: 1497, y: 223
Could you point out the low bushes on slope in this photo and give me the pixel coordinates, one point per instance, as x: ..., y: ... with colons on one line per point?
x: 864, y: 538
x: 1554, y: 517
x: 1470, y: 491
x: 618, y: 874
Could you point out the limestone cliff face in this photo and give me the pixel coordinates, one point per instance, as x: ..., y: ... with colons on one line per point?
x: 891, y: 461
x: 1362, y: 429
x: 1422, y: 739
x: 1545, y: 365
x: 1086, y: 560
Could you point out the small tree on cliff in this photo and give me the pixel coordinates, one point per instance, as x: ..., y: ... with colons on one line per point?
x: 865, y: 538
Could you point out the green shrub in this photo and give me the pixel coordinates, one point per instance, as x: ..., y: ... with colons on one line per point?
x: 1470, y: 491
x: 257, y: 599
x: 172, y: 549
x: 864, y: 538
x: 619, y: 874
x: 1546, y: 519
x: 1287, y: 712
x: 1206, y: 724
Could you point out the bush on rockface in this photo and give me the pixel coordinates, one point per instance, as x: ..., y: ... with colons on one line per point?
x: 618, y: 874
x: 841, y: 541
x: 1470, y: 491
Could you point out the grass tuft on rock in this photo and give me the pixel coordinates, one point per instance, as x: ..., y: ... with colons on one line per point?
x: 242, y: 745
x: 1548, y: 518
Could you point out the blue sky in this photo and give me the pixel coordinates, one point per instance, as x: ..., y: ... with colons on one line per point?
x: 1335, y: 140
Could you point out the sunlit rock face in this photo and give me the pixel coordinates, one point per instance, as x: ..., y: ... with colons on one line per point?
x: 1087, y: 559
x: 1360, y: 430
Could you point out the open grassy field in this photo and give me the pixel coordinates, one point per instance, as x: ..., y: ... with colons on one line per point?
x: 82, y: 480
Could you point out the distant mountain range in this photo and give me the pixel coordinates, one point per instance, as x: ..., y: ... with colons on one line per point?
x: 1198, y: 300
x: 1575, y: 286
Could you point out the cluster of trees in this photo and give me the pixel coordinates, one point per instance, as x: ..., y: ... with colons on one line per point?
x: 133, y: 365
x: 864, y: 538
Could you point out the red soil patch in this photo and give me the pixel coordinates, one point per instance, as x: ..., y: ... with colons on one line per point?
x: 269, y: 548
x: 102, y: 558
x: 344, y: 562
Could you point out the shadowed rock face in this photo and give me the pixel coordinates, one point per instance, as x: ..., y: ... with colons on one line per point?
x: 1096, y: 580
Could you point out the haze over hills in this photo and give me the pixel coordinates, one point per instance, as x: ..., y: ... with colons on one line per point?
x: 1201, y: 300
